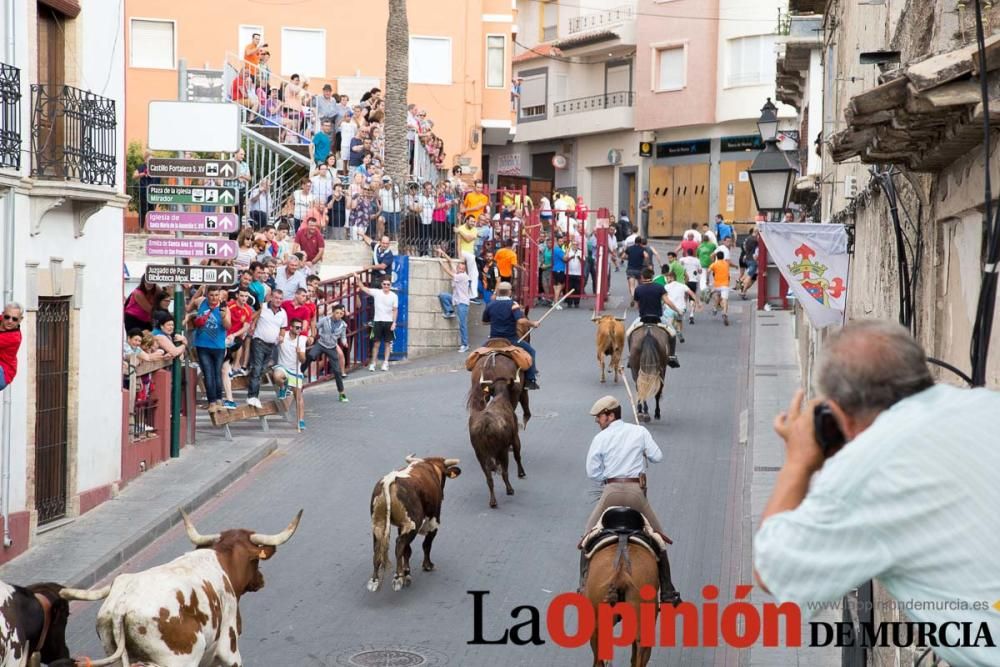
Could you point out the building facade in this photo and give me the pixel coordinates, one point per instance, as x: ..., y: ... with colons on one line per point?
x: 459, y: 68
x: 61, y: 172
x: 686, y: 77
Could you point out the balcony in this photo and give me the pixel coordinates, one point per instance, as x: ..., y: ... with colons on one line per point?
x: 10, y: 116
x: 592, y: 103
x: 72, y: 136
x: 601, y: 20
x: 594, y: 114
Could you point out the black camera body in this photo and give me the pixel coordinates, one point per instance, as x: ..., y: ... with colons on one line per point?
x: 828, y: 433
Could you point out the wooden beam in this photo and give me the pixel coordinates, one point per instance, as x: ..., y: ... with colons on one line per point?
x: 244, y: 412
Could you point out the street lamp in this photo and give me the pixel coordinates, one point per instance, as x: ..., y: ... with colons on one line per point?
x: 768, y: 123
x: 771, y: 177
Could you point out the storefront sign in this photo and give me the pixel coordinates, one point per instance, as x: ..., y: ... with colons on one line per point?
x: 747, y: 142
x: 509, y: 164
x: 678, y: 148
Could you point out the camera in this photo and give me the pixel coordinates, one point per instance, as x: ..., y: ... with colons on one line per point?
x: 828, y: 433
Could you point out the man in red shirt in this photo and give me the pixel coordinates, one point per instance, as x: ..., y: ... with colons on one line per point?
x: 298, y: 308
x: 310, y: 241
x: 10, y: 342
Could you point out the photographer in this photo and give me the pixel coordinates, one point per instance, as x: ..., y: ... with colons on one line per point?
x: 887, y: 476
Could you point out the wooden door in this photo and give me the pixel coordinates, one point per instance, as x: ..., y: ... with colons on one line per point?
x: 735, y: 198
x: 699, y: 194
x: 661, y: 184
x: 682, y: 200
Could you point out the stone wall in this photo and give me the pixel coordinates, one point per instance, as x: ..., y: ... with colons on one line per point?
x: 428, y: 331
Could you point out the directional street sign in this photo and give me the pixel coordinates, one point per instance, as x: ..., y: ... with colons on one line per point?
x: 171, y: 274
x: 169, y: 221
x: 168, y: 167
x: 186, y: 194
x: 219, y: 248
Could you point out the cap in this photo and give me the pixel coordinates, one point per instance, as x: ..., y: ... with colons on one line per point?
x: 604, y: 404
x: 349, y: 113
x: 387, y: 179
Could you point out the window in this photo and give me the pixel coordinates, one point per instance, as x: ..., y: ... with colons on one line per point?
x: 246, y: 33
x: 670, y: 69
x: 751, y: 60
x: 430, y: 60
x: 303, y: 52
x: 549, y: 24
x: 495, y: 48
x: 534, y: 95
x: 617, y: 78
x: 152, y: 44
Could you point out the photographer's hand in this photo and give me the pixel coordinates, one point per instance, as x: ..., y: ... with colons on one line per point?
x: 796, y: 428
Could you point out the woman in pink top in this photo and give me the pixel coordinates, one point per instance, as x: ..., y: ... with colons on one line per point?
x: 139, y: 306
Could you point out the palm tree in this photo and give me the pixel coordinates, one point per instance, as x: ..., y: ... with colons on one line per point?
x: 397, y: 77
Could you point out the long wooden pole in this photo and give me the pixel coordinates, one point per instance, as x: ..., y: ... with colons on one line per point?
x: 542, y: 318
x: 631, y: 398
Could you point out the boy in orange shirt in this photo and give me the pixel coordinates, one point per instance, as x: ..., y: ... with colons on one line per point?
x: 718, y: 275
x: 506, y: 260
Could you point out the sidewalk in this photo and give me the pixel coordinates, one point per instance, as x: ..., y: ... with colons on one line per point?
x: 84, y: 551
x: 775, y: 377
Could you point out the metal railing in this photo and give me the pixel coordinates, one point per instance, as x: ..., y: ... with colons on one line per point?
x: 606, y: 101
x: 603, y: 19
x: 344, y: 290
x: 784, y: 27
x: 283, y: 167
x: 72, y: 135
x: 261, y: 106
x: 10, y: 116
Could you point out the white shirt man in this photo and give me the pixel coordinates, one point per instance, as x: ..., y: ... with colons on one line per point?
x: 621, y: 451
x: 695, y: 232
x: 678, y: 293
x: 303, y: 199
x: 692, y: 269
x: 288, y: 357
x: 270, y: 323
x: 385, y: 304
x: 290, y: 278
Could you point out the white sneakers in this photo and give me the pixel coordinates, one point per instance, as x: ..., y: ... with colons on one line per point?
x: 464, y: 348
x: 385, y: 365
x: 371, y: 367
x: 254, y: 402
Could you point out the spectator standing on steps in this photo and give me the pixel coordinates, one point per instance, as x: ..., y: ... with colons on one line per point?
x: 384, y: 321
x: 456, y: 302
x: 286, y: 374
x: 467, y: 237
x: 382, y: 259
x: 269, y: 330
x: 10, y: 342
x: 331, y: 342
x: 211, y: 321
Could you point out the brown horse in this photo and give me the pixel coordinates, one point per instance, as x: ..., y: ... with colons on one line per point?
x: 648, y: 347
x: 493, y: 432
x: 493, y: 367
x: 616, y: 574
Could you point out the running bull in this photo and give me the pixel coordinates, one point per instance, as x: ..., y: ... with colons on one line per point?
x: 409, y: 499
x: 32, y: 625
x: 185, y: 612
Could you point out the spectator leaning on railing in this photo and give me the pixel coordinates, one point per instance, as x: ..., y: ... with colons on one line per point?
x: 888, y: 476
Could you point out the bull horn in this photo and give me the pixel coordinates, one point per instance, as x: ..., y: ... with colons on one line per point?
x: 84, y: 594
x: 620, y: 319
x: 450, y: 462
x: 263, y: 540
x: 197, y: 538
x: 413, y: 458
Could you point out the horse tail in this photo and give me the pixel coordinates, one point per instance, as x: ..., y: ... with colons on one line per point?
x: 650, y: 377
x: 621, y: 580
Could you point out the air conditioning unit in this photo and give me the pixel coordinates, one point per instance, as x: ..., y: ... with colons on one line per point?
x: 851, y: 187
x: 615, y: 156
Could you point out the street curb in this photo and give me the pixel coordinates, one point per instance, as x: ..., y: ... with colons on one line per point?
x: 142, y: 538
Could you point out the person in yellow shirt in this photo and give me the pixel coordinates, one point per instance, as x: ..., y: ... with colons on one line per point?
x: 475, y: 202
x: 466, y: 243
x: 506, y: 259
x: 718, y: 276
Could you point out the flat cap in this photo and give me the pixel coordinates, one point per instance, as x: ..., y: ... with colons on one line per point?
x: 604, y: 404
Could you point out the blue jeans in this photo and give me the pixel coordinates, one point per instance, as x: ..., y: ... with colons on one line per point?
x: 487, y: 295
x: 3, y: 380
x: 210, y: 360
x: 260, y: 360
x: 448, y: 305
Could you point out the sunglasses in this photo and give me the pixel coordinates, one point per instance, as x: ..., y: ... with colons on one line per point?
x: 11, y: 318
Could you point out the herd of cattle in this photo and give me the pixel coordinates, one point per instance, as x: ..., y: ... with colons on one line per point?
x: 186, y: 612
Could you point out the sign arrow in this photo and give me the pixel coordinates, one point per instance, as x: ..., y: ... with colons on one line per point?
x: 226, y: 251
x: 226, y: 196
x: 226, y: 276
x: 226, y: 170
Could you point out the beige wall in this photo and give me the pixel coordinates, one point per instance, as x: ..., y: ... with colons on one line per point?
x: 355, y: 45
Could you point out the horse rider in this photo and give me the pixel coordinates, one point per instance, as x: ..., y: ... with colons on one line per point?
x: 651, y: 298
x: 502, y: 314
x: 617, y: 458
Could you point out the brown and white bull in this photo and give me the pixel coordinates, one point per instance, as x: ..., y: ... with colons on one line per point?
x: 185, y: 612
x: 32, y: 624
x: 610, y: 342
x: 410, y: 499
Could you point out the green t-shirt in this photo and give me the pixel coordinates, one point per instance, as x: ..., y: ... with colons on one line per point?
x: 705, y: 251
x: 679, y: 273
x: 660, y: 280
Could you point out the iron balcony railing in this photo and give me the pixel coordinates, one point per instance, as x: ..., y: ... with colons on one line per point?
x: 72, y: 135
x: 601, y: 19
x: 10, y: 116
x: 606, y: 101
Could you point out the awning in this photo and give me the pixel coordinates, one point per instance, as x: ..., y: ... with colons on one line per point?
x: 925, y: 115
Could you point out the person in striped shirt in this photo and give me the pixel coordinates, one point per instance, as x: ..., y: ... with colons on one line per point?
x: 905, y: 493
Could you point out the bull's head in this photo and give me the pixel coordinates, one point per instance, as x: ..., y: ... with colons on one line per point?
x: 54, y: 647
x: 240, y: 551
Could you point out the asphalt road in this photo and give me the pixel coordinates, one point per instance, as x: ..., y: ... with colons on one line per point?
x: 315, y: 609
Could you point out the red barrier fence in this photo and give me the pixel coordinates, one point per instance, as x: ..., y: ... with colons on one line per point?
x: 345, y: 290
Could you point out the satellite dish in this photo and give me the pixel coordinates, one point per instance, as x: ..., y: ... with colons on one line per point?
x: 559, y: 161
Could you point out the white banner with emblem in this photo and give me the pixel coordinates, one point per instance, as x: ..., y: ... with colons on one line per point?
x: 813, y: 259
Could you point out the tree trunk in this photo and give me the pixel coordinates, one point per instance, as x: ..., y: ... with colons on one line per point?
x: 397, y: 77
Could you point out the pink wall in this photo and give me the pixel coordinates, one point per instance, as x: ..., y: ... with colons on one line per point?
x: 666, y: 23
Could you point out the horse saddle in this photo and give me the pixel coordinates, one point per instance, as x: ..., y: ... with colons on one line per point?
x: 622, y: 523
x: 639, y: 324
x: 499, y: 346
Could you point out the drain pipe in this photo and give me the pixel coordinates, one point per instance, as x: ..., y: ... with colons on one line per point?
x: 10, y: 48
